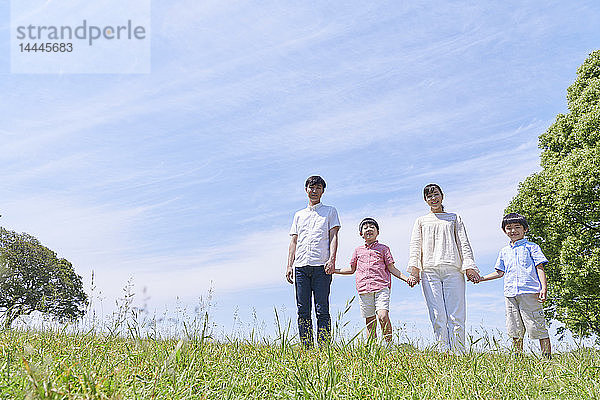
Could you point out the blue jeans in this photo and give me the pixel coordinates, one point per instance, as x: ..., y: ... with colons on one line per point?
x: 313, y: 281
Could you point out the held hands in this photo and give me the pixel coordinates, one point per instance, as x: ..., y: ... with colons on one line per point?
x: 473, y: 275
x: 412, y: 281
x: 414, y: 278
x: 330, y: 266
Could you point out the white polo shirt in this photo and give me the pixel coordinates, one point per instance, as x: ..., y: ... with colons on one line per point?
x: 312, y: 225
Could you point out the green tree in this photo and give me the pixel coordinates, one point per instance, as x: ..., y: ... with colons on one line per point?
x: 32, y: 278
x: 562, y: 203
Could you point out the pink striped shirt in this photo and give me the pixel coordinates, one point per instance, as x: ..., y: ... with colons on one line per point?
x: 371, y: 271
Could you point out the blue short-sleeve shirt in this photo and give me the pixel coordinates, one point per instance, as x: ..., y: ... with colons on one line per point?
x: 518, y: 261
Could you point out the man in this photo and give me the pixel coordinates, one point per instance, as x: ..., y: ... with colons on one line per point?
x: 311, y: 261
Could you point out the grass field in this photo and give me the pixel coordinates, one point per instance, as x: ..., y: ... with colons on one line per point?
x: 56, y: 364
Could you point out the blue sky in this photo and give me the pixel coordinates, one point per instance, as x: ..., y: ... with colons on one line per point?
x: 187, y: 178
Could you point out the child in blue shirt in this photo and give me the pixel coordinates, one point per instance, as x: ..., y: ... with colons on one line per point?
x: 525, y: 289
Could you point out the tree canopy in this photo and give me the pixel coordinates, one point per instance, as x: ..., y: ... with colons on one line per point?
x: 562, y: 204
x: 32, y: 278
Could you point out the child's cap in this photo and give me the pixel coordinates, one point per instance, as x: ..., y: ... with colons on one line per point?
x: 367, y: 220
x: 514, y: 218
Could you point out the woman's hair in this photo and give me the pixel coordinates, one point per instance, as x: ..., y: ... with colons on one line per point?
x: 514, y: 218
x: 430, y: 188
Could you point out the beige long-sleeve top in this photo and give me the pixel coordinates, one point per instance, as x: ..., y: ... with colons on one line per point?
x: 440, y: 239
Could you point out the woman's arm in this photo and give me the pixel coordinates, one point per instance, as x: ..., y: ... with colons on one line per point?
x: 415, y: 261
x: 464, y: 247
x: 415, y: 276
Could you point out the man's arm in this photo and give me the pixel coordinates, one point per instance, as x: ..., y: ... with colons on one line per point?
x: 333, y: 245
x: 542, y: 275
x: 289, y: 270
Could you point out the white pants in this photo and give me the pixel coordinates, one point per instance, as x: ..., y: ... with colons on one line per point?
x: 444, y: 292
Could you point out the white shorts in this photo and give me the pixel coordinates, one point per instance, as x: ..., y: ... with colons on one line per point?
x: 525, y: 312
x: 374, y: 301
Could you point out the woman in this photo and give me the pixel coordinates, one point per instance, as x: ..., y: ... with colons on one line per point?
x: 440, y: 255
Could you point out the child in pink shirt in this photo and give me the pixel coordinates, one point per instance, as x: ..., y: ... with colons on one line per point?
x: 374, y: 265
